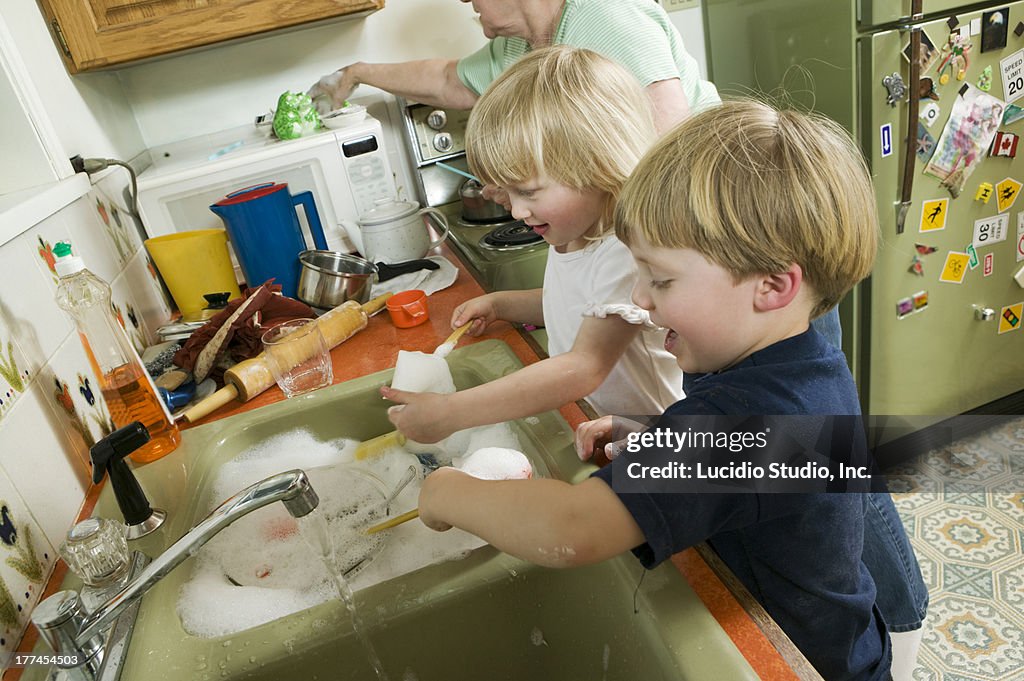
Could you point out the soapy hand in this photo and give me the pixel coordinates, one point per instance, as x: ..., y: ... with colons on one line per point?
x: 331, y: 91
x: 481, y: 310
x: 421, y: 417
x: 430, y: 495
x: 606, y: 435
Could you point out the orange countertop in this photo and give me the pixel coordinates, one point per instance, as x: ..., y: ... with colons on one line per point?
x: 376, y: 347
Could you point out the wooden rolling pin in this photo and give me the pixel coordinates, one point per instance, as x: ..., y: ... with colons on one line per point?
x: 248, y: 379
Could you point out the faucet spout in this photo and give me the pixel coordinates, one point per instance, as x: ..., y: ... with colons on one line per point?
x: 292, y: 488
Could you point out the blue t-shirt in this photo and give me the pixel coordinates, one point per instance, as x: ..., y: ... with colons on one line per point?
x: 798, y: 554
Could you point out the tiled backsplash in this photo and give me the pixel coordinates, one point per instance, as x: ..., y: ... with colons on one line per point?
x: 51, y: 410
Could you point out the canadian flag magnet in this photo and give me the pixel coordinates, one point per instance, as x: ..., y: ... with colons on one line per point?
x: 1004, y: 144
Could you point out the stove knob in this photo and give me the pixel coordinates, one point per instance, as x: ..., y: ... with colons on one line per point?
x: 443, y: 141
x: 437, y: 119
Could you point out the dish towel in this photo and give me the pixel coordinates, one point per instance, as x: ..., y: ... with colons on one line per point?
x: 428, y: 281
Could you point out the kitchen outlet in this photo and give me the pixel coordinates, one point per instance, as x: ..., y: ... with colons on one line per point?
x: 676, y: 5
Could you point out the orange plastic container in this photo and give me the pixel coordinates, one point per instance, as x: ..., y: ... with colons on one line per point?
x: 408, y: 308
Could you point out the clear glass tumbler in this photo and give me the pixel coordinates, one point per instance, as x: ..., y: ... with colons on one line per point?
x: 298, y: 357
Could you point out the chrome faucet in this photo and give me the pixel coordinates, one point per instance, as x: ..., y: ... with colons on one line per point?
x: 85, y: 640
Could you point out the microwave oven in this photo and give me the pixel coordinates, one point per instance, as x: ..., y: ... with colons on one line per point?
x: 346, y: 169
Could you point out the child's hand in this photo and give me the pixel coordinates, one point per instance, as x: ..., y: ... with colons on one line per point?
x: 606, y: 435
x: 481, y: 310
x: 430, y: 493
x: 423, y: 417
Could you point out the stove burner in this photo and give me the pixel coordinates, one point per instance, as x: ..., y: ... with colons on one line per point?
x: 509, y: 237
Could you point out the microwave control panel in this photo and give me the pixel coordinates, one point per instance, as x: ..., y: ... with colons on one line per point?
x: 369, y: 176
x: 439, y: 133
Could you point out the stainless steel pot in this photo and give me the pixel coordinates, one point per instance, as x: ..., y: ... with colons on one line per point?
x: 329, y: 278
x: 476, y: 208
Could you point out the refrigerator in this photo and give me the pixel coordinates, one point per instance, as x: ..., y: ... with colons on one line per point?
x: 936, y: 329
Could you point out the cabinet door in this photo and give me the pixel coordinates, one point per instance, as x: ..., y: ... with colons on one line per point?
x: 93, y: 34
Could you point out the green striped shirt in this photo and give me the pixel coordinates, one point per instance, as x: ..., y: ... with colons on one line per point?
x: 635, y: 33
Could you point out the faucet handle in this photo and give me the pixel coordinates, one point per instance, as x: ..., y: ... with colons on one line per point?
x: 59, y: 618
x: 108, y: 457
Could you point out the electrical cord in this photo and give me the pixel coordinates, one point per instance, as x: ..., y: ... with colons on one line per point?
x: 90, y: 166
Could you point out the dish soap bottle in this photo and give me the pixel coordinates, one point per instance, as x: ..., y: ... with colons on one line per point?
x: 124, y: 383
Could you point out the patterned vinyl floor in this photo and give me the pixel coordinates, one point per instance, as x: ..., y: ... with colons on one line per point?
x: 963, y: 508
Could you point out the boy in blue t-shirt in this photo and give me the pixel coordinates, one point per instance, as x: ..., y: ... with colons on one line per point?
x: 745, y: 223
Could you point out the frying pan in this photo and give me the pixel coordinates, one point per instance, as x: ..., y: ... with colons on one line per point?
x: 329, y: 278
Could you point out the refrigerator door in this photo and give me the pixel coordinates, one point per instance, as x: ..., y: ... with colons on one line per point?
x: 959, y: 347
x: 871, y: 13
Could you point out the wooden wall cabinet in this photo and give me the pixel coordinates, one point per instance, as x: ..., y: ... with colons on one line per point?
x: 96, y: 34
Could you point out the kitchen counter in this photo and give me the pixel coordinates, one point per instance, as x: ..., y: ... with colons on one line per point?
x: 375, y: 348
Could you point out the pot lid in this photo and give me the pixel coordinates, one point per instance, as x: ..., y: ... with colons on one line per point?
x: 387, y: 210
x: 249, y: 193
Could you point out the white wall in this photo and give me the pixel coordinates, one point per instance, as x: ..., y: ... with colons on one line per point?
x: 211, y: 90
x: 88, y: 114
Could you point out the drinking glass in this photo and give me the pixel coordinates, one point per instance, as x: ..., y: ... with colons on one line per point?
x: 298, y: 356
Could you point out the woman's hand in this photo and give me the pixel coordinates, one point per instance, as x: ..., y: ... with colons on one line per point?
x: 423, y: 417
x: 482, y: 310
x: 606, y: 435
x: 331, y: 91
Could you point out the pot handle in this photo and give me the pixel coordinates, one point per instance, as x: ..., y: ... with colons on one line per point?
x: 440, y: 223
x: 312, y: 216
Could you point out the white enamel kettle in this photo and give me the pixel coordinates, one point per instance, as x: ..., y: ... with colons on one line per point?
x: 395, y: 231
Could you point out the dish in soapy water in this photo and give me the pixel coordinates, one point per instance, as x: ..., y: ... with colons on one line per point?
x: 273, y: 550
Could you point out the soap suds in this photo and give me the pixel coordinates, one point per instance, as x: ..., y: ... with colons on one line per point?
x: 278, y: 573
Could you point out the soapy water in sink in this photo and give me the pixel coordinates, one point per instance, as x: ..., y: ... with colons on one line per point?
x: 277, y: 576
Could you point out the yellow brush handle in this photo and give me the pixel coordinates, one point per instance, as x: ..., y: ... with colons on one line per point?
x: 392, y: 522
x: 458, y: 333
x: 375, y: 446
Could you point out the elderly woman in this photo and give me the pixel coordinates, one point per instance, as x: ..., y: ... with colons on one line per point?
x: 635, y: 33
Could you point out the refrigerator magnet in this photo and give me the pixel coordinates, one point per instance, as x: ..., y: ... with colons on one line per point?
x: 955, y: 269
x: 1018, y: 30
x: 920, y: 300
x: 1020, y: 236
x: 926, y: 90
x: 972, y: 255
x: 984, y: 192
x: 933, y: 215
x: 1009, y: 317
x: 1013, y: 113
x: 916, y: 266
x: 985, y: 79
x: 1004, y: 144
x: 926, y: 56
x: 895, y: 88
x: 988, y: 231
x: 925, y: 143
x: 1006, y: 193
x: 923, y: 249
x: 994, y: 25
x: 986, y: 268
x: 904, y: 307
x: 1012, y: 70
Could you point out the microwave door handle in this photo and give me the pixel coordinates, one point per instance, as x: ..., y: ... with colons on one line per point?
x: 913, y: 112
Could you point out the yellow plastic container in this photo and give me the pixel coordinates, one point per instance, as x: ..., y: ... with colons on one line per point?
x: 194, y: 263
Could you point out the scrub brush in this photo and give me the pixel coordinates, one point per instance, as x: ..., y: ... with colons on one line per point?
x: 445, y: 348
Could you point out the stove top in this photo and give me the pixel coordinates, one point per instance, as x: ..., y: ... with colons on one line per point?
x: 504, y: 256
x: 510, y: 236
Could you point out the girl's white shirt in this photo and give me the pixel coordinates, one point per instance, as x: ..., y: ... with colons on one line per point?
x: 597, y: 281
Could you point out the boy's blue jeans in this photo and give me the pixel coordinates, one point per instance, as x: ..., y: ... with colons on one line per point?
x: 902, y: 595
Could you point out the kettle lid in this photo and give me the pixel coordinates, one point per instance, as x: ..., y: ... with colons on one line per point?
x: 249, y: 193
x: 386, y: 210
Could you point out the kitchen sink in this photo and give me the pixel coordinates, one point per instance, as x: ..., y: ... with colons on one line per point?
x: 487, y: 615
